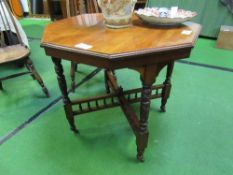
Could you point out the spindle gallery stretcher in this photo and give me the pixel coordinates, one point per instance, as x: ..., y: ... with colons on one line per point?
x: 113, y: 99
x: 119, y: 98
x: 142, y: 48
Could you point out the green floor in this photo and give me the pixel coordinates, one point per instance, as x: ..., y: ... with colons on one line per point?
x: 193, y: 137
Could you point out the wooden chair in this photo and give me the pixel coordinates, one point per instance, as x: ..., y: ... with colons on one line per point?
x: 73, y: 8
x: 12, y: 47
x: 76, y: 7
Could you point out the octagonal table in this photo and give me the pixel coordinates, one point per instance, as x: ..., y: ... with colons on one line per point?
x: 144, y: 48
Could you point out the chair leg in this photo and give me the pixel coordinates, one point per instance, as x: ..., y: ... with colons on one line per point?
x: 28, y: 68
x: 20, y: 63
x: 35, y: 74
x: 73, y: 69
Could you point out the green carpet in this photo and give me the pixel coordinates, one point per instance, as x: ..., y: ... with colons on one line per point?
x: 205, y: 52
x: 192, y: 137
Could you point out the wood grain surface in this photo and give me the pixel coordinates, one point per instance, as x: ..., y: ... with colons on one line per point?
x: 90, y: 29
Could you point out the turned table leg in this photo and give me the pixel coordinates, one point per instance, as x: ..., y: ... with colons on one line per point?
x: 1, y: 87
x: 148, y: 75
x: 63, y: 87
x: 167, y: 87
x: 73, y: 69
x: 142, y: 135
x: 106, y: 81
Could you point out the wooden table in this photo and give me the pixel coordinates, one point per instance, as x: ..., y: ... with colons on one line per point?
x: 143, y: 48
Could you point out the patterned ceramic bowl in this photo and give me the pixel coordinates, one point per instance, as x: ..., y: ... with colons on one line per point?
x: 171, y: 17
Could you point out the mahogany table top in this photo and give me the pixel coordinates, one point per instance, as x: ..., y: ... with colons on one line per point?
x: 109, y: 47
x: 139, y: 39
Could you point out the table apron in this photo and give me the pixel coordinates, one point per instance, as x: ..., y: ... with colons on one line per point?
x: 122, y: 62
